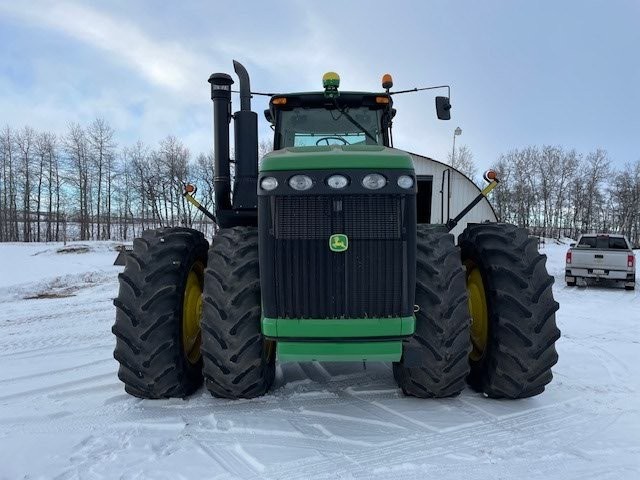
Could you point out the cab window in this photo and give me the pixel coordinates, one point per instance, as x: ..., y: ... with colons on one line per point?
x: 587, y: 242
x: 603, y: 242
x: 617, y: 243
x: 305, y: 127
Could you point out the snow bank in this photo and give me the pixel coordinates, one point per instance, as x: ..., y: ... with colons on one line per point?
x: 35, y: 262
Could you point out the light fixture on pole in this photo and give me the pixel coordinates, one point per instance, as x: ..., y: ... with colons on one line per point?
x: 456, y: 132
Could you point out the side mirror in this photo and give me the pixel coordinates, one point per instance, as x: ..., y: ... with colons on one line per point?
x: 443, y: 108
x: 267, y: 115
x: 572, y: 244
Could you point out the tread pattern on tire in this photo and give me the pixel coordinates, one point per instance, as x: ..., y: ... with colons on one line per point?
x: 522, y: 325
x: 443, y: 321
x: 148, y: 326
x: 233, y: 347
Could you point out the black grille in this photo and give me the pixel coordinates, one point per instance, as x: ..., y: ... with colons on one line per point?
x: 370, y: 279
x: 359, y: 217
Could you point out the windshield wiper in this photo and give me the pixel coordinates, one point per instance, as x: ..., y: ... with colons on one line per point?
x: 344, y: 112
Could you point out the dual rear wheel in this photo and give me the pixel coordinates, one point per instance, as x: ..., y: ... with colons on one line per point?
x: 502, y: 341
x: 173, y: 328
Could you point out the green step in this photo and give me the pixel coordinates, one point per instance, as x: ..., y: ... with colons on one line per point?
x: 386, y: 351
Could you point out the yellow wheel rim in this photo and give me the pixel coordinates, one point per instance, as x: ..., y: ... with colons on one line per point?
x: 478, y: 310
x: 191, y: 310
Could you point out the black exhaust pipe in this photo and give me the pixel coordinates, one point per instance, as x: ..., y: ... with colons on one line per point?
x: 244, y: 208
x: 245, y: 87
x: 245, y: 196
x: 221, y: 96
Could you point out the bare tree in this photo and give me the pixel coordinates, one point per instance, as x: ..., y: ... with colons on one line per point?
x: 41, y: 157
x: 76, y: 147
x: 463, y: 162
x: 264, y: 147
x: 101, y: 149
x: 596, y: 172
x: 9, y: 208
x: 25, y: 141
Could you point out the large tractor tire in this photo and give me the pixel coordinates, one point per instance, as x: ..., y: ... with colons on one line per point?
x: 157, y: 314
x: 435, y: 359
x: 238, y: 361
x: 513, y: 329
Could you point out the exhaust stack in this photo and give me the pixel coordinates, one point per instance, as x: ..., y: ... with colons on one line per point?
x: 245, y: 128
x: 221, y: 96
x: 243, y: 209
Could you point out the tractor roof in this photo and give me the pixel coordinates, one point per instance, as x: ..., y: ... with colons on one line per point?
x: 318, y: 99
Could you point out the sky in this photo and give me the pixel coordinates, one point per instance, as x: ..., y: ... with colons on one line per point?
x: 521, y: 72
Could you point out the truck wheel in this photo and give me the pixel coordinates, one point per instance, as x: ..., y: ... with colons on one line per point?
x: 157, y: 314
x: 435, y: 359
x: 238, y: 361
x: 513, y: 330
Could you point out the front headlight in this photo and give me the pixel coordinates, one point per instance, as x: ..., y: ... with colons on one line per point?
x: 337, y: 181
x: 405, y: 181
x: 268, y: 183
x: 300, y: 182
x: 374, y: 181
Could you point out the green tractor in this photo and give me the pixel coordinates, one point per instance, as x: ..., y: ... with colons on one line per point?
x: 318, y: 256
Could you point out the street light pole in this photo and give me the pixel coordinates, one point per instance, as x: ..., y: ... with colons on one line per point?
x: 456, y: 132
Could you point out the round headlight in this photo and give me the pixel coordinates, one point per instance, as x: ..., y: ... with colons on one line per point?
x: 337, y: 181
x: 374, y: 181
x: 268, y: 183
x: 405, y: 181
x: 300, y: 182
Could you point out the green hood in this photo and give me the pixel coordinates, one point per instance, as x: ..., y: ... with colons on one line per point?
x: 338, y: 157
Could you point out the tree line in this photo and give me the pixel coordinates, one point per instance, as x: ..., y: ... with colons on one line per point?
x: 82, y: 185
x: 556, y: 192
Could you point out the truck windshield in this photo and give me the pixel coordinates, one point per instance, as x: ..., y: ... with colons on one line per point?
x: 603, y: 242
x: 304, y: 127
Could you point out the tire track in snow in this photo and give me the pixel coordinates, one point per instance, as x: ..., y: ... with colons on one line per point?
x: 55, y: 371
x: 57, y: 386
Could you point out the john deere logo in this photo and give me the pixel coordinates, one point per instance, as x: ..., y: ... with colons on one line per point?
x: 338, y: 242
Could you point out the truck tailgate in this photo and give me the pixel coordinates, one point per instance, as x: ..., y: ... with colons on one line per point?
x: 599, y: 259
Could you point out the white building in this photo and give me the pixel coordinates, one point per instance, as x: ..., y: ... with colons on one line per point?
x: 440, y: 197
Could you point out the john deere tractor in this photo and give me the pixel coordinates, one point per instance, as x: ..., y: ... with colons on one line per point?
x: 318, y: 256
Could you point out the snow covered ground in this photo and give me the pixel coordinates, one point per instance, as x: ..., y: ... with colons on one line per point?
x: 64, y: 413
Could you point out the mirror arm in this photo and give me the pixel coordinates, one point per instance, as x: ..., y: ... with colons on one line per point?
x: 256, y: 93
x: 424, y: 88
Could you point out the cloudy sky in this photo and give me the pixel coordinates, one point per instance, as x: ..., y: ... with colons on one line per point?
x: 522, y: 72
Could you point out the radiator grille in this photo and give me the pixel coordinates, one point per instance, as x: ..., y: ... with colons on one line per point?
x: 368, y: 280
x: 359, y: 217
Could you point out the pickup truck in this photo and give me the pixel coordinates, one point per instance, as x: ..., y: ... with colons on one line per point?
x: 601, y: 257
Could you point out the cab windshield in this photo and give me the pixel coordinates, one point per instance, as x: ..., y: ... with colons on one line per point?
x: 306, y: 127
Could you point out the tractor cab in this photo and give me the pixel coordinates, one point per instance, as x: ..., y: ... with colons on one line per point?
x: 313, y: 119
x: 332, y: 117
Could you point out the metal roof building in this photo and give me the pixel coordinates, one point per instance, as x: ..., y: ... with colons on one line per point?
x: 444, y: 191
